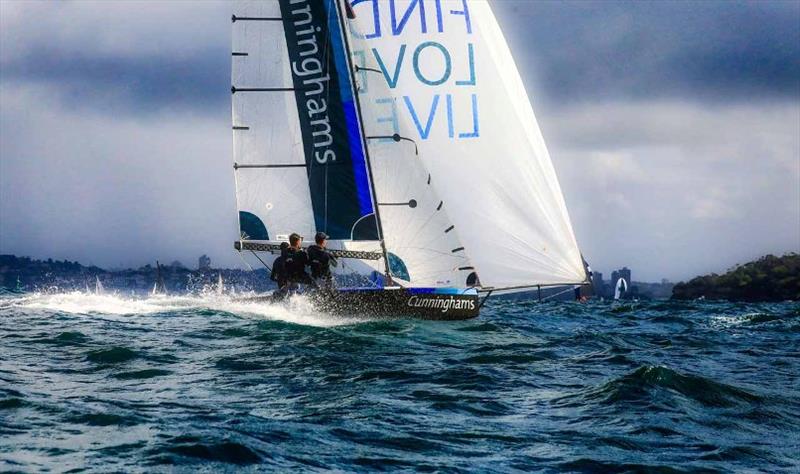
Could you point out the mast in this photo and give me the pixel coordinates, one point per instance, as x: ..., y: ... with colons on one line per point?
x: 373, y: 193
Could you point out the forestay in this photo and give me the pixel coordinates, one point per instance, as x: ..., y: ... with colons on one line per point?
x: 448, y: 64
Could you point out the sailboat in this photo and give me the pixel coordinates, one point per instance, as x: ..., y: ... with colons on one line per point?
x: 620, y: 289
x: 403, y: 131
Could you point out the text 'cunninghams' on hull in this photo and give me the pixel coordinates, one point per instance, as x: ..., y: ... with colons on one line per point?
x: 392, y: 303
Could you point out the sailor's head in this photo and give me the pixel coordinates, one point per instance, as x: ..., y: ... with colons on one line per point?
x: 295, y: 239
x: 284, y: 245
x: 321, y: 238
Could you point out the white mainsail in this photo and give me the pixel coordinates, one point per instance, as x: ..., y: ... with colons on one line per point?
x: 266, y: 129
x: 448, y: 64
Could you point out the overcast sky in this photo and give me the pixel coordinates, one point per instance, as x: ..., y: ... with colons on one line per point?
x: 674, y: 128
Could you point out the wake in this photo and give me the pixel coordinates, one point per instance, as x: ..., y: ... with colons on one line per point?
x: 297, y: 310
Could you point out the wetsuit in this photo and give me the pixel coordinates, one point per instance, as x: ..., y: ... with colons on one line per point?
x: 320, y: 262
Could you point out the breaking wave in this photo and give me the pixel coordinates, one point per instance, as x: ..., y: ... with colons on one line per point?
x: 297, y: 309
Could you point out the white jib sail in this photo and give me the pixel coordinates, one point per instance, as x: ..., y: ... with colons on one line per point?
x: 423, y: 244
x: 448, y: 64
x: 266, y: 128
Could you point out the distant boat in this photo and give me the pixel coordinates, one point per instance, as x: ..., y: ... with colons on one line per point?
x: 620, y: 289
x: 442, y: 184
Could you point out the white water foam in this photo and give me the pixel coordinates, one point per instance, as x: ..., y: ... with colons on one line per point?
x: 297, y: 310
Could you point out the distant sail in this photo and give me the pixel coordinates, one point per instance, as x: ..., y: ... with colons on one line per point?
x: 620, y: 289
x: 450, y: 67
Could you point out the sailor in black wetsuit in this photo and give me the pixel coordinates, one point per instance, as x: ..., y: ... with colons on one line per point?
x: 296, y: 261
x: 320, y: 261
x: 278, y: 274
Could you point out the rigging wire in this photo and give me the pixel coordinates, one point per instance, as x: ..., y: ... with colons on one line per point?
x: 244, y: 261
x: 262, y: 262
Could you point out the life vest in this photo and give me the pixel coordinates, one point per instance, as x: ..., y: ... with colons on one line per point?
x: 295, y: 263
x: 320, y: 261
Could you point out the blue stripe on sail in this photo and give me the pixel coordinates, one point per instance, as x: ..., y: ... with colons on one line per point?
x: 348, y: 104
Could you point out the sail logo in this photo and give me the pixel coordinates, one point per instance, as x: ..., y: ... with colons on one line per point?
x: 442, y: 304
x: 309, y: 68
x: 434, y: 66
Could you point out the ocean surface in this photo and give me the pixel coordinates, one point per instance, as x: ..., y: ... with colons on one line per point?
x: 201, y: 383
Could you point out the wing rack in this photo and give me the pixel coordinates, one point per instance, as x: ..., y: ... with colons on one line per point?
x: 262, y: 247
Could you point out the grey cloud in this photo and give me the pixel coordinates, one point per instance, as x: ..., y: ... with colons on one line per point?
x: 131, y: 85
x: 121, y: 57
x: 124, y: 191
x: 136, y: 57
x: 697, y: 186
x: 706, y: 50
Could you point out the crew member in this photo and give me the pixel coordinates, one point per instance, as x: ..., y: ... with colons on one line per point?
x: 296, y: 261
x: 278, y: 274
x: 320, y: 261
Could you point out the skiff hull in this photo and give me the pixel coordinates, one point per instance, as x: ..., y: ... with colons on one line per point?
x: 399, y: 303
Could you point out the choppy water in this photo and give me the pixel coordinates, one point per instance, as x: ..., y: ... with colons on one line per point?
x: 104, y: 383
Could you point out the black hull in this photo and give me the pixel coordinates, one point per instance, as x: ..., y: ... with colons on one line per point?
x: 392, y: 303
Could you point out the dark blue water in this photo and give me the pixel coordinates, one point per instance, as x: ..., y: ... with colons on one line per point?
x: 103, y: 383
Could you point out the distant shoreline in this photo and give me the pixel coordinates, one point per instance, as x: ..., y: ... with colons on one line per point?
x: 768, y: 279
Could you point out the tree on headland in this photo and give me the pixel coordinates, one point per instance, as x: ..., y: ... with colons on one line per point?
x: 769, y: 278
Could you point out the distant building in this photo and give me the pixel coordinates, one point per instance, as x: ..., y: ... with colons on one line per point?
x: 598, y: 284
x: 204, y: 262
